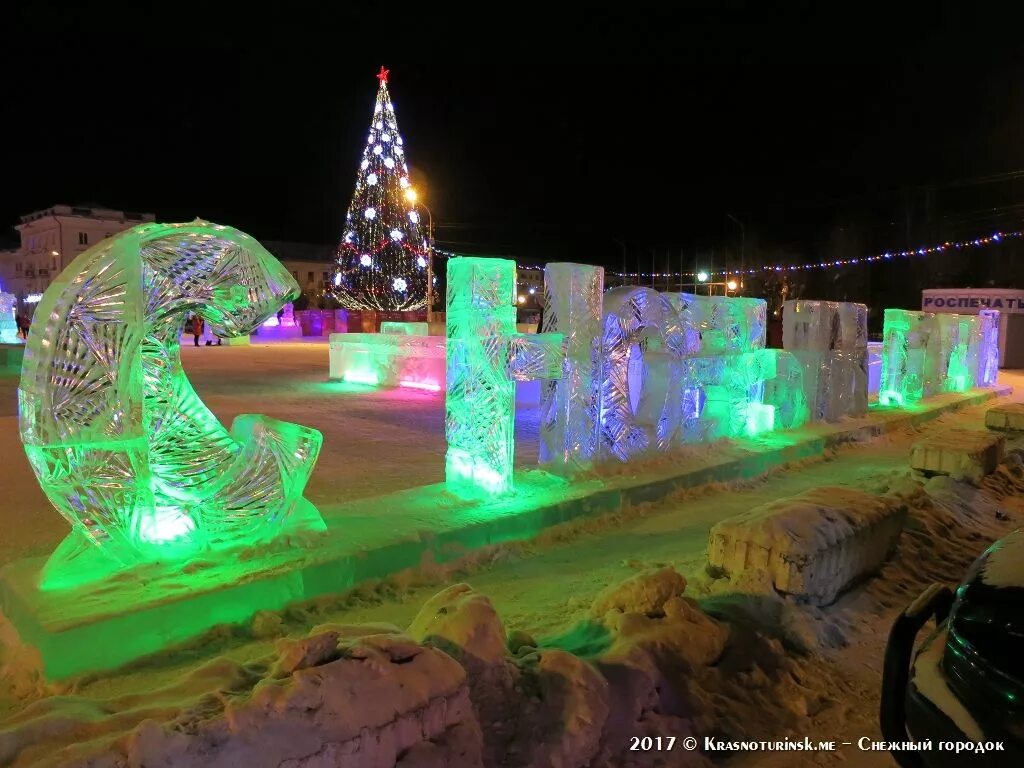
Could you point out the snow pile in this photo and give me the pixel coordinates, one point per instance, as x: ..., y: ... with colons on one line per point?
x: 446, y: 692
x: 326, y: 700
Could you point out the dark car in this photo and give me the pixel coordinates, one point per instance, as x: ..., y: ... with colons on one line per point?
x: 966, y: 682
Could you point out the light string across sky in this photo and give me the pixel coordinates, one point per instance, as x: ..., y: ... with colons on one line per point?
x: 995, y: 237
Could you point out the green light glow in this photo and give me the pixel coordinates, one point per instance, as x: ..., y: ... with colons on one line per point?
x: 164, y: 525
x: 924, y: 354
x: 480, y: 400
x: 404, y: 329
x: 361, y: 377
x: 760, y: 418
x: 890, y: 397
x: 117, y: 437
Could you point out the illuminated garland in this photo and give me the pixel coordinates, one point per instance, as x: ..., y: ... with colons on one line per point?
x: 382, y: 257
x: 887, y: 256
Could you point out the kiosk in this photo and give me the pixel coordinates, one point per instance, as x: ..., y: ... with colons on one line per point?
x: 967, y: 301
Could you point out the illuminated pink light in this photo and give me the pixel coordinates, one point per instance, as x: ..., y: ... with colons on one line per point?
x: 420, y: 385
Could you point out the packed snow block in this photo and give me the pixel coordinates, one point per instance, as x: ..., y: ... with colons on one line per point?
x: 963, y: 454
x: 569, y: 430
x: 723, y: 324
x: 811, y: 546
x: 1008, y: 417
x: 830, y: 340
x: 388, y: 360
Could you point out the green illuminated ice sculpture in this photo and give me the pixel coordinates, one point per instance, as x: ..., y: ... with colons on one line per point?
x: 120, y: 442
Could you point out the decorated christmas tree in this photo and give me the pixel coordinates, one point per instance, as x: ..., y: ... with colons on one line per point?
x: 382, y: 257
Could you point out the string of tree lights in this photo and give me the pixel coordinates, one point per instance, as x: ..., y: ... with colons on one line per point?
x: 382, y: 257
x: 702, y: 275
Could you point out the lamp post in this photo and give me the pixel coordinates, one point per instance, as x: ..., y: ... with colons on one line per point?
x: 411, y: 196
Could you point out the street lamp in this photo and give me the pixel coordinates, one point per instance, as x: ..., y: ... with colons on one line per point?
x: 702, y: 276
x: 412, y: 197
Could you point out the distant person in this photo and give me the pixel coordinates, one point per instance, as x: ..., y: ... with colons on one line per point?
x: 23, y: 323
x: 197, y: 328
x: 280, y: 315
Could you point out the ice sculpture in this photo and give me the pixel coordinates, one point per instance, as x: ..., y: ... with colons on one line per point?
x: 924, y: 354
x: 726, y: 371
x: 642, y: 347
x: 388, y: 359
x: 910, y: 357
x: 570, y: 405
x: 8, y: 325
x: 959, y: 356
x: 830, y: 339
x: 988, y: 347
x: 874, y: 367
x: 409, y: 329
x: 741, y: 395
x: 785, y: 391
x: 485, y: 356
x: 285, y: 327
x: 722, y: 324
x: 120, y: 442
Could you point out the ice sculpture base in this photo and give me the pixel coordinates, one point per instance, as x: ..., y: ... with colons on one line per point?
x: 277, y: 333
x: 121, y: 614
x: 11, y: 356
x: 144, y: 610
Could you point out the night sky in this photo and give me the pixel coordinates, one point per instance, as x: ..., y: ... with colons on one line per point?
x: 535, y: 132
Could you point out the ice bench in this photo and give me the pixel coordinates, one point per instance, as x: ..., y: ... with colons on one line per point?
x: 1009, y: 417
x: 811, y: 546
x: 963, y: 454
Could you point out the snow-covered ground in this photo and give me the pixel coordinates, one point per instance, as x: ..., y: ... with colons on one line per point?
x: 564, y: 647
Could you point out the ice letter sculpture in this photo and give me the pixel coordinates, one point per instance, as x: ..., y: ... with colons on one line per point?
x: 910, y: 357
x: 120, y: 442
x: 924, y: 354
x: 570, y: 405
x: 643, y: 343
x: 830, y: 339
x: 8, y: 325
x: 731, y: 385
x: 988, y: 347
x: 485, y: 357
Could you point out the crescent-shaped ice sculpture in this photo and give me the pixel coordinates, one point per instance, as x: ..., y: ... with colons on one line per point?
x: 120, y: 442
